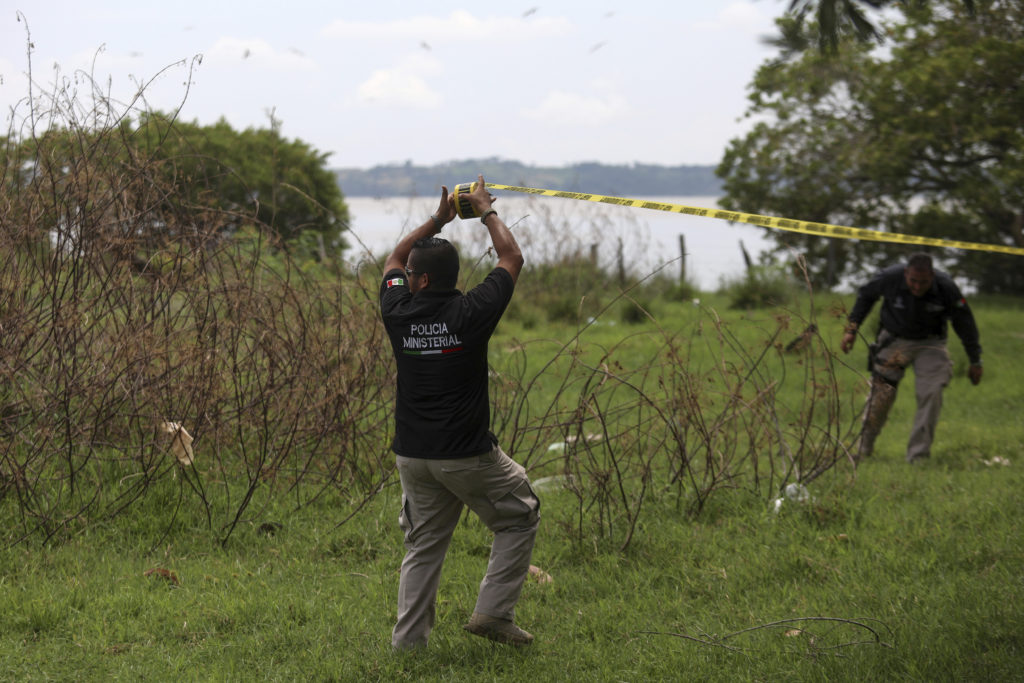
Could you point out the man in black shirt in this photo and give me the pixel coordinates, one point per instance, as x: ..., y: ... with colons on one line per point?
x: 917, y: 303
x: 447, y: 456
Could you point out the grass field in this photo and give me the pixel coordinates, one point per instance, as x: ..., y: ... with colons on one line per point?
x: 887, y: 572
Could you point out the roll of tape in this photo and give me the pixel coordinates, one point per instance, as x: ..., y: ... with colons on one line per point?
x: 462, y: 205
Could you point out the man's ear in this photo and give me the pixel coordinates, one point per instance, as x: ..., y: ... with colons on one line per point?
x: 426, y: 280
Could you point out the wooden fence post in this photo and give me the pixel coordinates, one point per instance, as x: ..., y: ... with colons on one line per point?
x: 682, y: 259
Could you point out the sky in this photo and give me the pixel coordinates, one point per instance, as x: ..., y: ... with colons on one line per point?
x: 391, y: 81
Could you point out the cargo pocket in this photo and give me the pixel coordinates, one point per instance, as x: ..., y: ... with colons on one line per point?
x: 519, y: 500
x: 405, y: 519
x: 518, y: 507
x: 505, y: 500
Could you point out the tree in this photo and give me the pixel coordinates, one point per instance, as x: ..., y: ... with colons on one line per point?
x: 799, y: 164
x: 837, y: 19
x: 285, y: 183
x: 925, y: 139
x: 155, y: 178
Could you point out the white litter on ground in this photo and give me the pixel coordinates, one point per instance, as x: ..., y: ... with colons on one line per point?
x: 181, y: 442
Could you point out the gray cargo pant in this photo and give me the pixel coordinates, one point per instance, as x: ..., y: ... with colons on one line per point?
x: 493, y: 486
x: 933, y: 368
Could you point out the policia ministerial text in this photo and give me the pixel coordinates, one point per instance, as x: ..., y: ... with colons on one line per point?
x: 430, y: 338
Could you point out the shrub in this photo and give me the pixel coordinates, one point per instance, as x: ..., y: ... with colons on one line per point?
x: 761, y: 287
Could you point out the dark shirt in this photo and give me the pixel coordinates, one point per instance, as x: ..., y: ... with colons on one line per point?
x: 911, y: 317
x: 439, y: 339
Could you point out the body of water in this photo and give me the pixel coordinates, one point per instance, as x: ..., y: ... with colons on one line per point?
x: 551, y: 228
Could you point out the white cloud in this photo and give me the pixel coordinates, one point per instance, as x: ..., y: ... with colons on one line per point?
x: 567, y: 108
x: 458, y: 26
x: 403, y: 85
x: 739, y: 16
x: 260, y: 53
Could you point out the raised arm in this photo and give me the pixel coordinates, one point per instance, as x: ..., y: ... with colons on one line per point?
x: 509, y: 255
x: 432, y: 226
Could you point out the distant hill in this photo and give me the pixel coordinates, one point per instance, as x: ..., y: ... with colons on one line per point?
x: 627, y: 180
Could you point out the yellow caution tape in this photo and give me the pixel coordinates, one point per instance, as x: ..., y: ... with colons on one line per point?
x: 805, y: 227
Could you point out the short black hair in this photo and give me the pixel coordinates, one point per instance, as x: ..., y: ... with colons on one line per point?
x: 919, y: 260
x: 439, y: 258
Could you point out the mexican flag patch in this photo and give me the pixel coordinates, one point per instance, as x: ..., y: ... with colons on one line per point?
x: 395, y: 282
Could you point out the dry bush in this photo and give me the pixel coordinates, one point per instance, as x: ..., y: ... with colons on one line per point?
x: 124, y: 306
x: 704, y: 414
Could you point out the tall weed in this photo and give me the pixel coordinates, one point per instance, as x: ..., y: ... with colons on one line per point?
x: 129, y: 311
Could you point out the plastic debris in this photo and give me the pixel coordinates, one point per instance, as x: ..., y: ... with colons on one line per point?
x: 181, y: 442
x: 795, y: 492
x: 557, y: 481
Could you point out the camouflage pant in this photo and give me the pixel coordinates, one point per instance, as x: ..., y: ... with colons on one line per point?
x: 933, y: 368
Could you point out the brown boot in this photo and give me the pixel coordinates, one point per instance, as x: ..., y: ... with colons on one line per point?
x: 866, y: 445
x: 880, y: 400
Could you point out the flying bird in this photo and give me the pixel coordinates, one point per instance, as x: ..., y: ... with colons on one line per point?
x: 530, y: 11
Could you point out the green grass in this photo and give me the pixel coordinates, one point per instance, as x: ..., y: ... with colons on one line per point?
x: 928, y: 558
x: 890, y: 572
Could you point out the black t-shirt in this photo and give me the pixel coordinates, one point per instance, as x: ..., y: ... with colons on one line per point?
x: 439, y: 339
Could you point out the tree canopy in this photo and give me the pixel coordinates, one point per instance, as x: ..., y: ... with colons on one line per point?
x: 836, y: 19
x: 286, y: 183
x: 923, y: 137
x: 159, y: 178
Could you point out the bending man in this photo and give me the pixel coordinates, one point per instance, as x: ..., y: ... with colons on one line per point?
x: 917, y: 303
